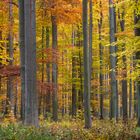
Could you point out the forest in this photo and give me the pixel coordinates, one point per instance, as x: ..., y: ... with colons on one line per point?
x: 69, y: 69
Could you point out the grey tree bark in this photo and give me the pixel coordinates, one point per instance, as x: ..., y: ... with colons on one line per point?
x: 10, y: 79
x: 124, y: 75
x: 113, y: 62
x: 74, y: 91
x: 16, y: 101
x: 22, y: 56
x: 41, y: 95
x: 54, y: 69
x: 130, y: 90
x: 0, y: 65
x: 31, y: 98
x: 130, y: 98
x: 48, y: 75
x: 80, y: 63
x: 87, y: 113
x: 137, y: 33
x: 135, y: 98
x: 90, y: 35
x: 101, y: 61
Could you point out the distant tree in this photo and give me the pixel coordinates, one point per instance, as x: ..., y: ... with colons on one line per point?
x: 10, y: 51
x: 74, y: 91
x: 48, y: 74
x: 54, y: 69
x: 90, y: 34
x: 101, y: 60
x: 124, y: 76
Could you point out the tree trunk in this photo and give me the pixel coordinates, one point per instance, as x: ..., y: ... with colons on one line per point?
x: 31, y: 98
x: 138, y: 94
x: 90, y: 36
x: 87, y: 112
x: 101, y: 61
x: 16, y: 100
x: 74, y: 91
x: 130, y: 98
x: 48, y: 74
x: 54, y: 69
x: 124, y: 76
x: 130, y: 89
x: 41, y: 101
x: 10, y: 79
x: 22, y: 56
x: 1, y: 50
x: 135, y: 101
x: 80, y: 71
x: 113, y: 62
x: 137, y: 33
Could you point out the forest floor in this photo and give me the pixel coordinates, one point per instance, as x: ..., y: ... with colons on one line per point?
x: 71, y: 130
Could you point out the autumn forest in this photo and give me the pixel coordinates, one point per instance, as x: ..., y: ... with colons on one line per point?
x: 69, y: 69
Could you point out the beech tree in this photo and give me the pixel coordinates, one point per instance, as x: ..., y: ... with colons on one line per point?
x: 124, y: 81
x: 22, y: 56
x: 87, y: 113
x: 113, y: 61
x: 10, y: 90
x: 101, y: 60
x: 54, y: 69
x: 74, y: 91
x: 137, y: 34
x: 31, y: 98
x: 48, y: 74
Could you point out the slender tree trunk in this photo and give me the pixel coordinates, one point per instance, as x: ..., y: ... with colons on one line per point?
x: 124, y: 76
x: 10, y: 89
x: 0, y: 64
x: 16, y: 100
x: 31, y: 98
x: 135, y: 100
x: 137, y: 33
x: 130, y: 98
x: 22, y: 56
x: 101, y: 62
x: 90, y: 35
x: 130, y: 90
x: 1, y: 103
x: 63, y: 86
x: 87, y: 112
x: 74, y: 91
x: 54, y: 69
x: 41, y: 101
x: 1, y: 50
x: 80, y: 92
x: 80, y: 74
x: 138, y: 95
x: 48, y: 92
x: 113, y: 62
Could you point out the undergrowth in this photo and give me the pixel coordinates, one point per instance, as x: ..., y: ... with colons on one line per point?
x: 71, y: 130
